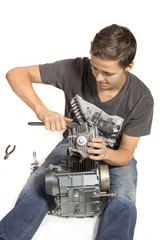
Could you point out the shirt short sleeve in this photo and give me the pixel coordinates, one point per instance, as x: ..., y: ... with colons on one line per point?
x: 141, y: 120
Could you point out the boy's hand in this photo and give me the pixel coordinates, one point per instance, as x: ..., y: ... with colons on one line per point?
x: 97, y: 149
x: 52, y: 120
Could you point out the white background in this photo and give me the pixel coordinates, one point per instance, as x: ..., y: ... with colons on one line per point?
x: 34, y: 32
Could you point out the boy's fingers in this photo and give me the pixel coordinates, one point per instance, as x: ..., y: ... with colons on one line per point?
x: 68, y: 119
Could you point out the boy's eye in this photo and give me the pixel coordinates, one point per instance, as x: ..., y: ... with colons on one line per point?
x: 104, y: 73
x: 94, y: 68
x: 108, y: 74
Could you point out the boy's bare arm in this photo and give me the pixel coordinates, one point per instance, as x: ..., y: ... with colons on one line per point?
x: 20, y: 80
x: 120, y: 157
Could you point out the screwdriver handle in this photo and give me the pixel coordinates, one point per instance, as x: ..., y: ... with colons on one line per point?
x: 36, y: 123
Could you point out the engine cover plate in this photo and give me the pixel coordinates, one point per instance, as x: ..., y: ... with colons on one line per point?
x: 76, y: 194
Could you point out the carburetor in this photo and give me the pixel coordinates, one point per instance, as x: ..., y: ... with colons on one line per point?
x: 78, y: 185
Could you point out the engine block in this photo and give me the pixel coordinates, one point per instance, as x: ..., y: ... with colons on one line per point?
x: 78, y: 185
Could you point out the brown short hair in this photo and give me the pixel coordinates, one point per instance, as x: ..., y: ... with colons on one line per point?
x: 115, y: 43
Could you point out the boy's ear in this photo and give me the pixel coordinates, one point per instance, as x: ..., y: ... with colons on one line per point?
x: 127, y: 69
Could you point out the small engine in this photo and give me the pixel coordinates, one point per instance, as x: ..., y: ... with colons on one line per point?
x: 78, y: 185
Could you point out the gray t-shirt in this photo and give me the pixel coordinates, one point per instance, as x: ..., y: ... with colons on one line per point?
x: 129, y: 112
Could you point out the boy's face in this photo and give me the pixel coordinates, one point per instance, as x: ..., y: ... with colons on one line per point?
x: 109, y: 75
